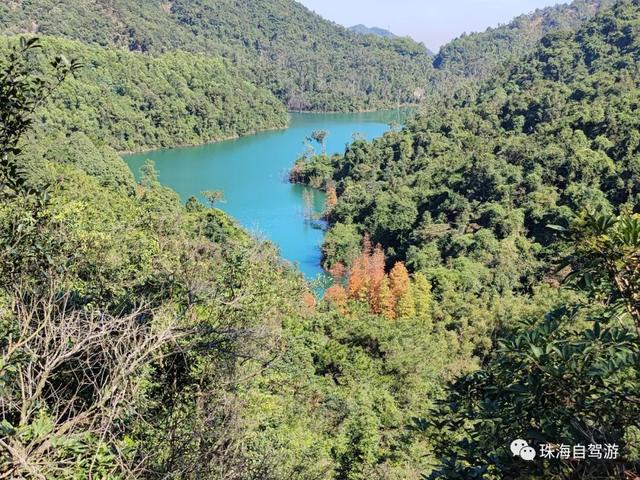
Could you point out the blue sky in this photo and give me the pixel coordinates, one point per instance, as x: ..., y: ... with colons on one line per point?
x: 433, y: 22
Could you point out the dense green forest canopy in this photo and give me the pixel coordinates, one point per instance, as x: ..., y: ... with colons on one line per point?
x: 377, y: 31
x: 306, y: 61
x: 136, y: 102
x: 142, y: 338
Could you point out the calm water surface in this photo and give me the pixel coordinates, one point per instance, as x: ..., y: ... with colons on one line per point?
x: 252, y: 174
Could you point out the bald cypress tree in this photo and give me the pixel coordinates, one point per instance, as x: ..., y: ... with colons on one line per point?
x: 385, y: 302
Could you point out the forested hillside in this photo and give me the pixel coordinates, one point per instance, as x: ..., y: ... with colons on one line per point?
x: 477, y: 55
x: 472, y: 197
x: 306, y: 61
x: 136, y: 102
x: 557, y: 134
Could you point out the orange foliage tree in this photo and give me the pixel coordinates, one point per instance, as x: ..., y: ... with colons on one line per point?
x: 338, y: 272
x: 384, y: 303
x: 309, y: 300
x: 399, y: 280
x: 392, y: 295
x: 337, y: 295
x: 358, y: 281
x: 375, y: 274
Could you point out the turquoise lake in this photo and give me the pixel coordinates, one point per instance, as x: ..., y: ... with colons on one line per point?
x: 252, y: 173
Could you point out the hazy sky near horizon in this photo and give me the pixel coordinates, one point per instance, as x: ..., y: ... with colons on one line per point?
x: 433, y: 22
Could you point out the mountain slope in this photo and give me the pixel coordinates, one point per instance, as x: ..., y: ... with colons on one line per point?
x: 308, y: 62
x: 478, y: 54
x: 179, y: 322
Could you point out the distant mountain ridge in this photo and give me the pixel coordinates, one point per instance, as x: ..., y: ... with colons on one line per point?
x: 378, y: 32
x: 477, y: 55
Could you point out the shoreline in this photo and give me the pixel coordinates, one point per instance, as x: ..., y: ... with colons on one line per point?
x: 124, y: 153
x: 410, y: 106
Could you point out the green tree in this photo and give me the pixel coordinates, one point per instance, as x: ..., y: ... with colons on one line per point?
x: 406, y: 306
x: 214, y: 197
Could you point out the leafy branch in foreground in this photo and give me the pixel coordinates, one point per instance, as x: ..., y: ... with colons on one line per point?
x: 67, y: 375
x: 606, y: 261
x: 127, y: 322
x: 21, y: 93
